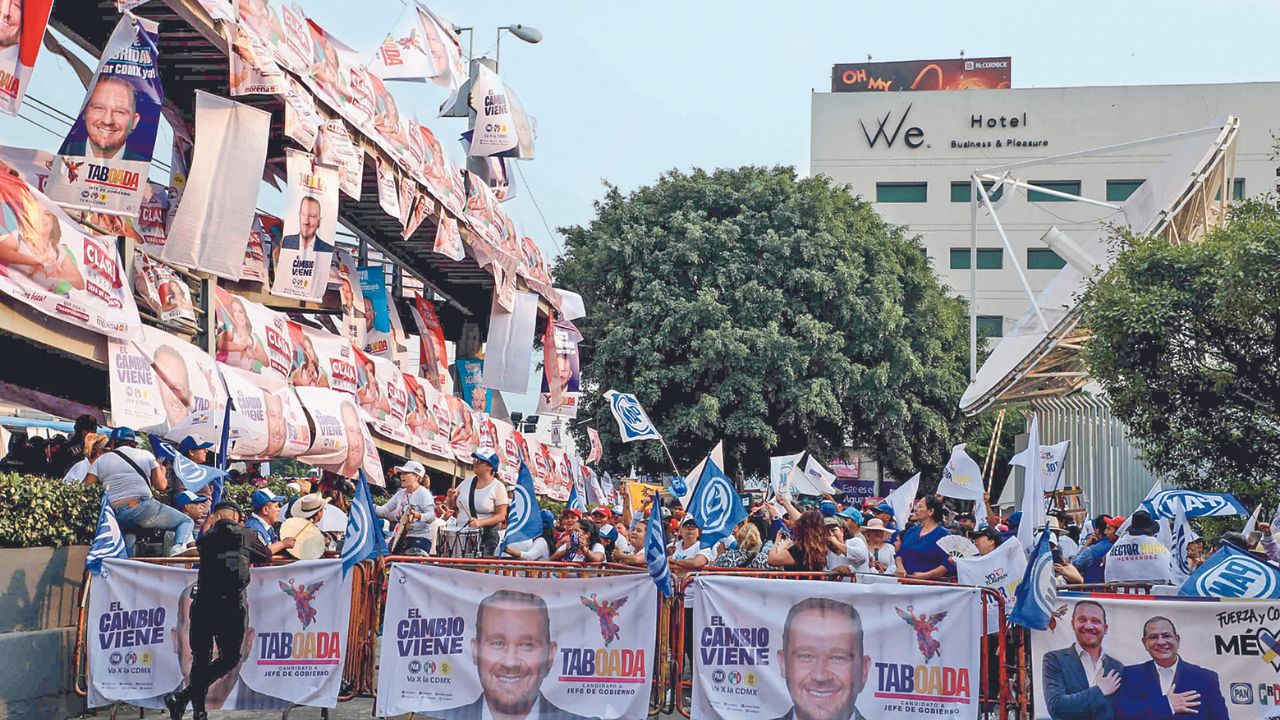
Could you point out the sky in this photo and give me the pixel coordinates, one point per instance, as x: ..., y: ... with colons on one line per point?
x: 624, y: 91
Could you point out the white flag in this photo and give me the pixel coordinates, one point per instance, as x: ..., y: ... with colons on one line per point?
x: 780, y: 469
x: 690, y: 480
x: 1252, y: 523
x: 1033, y: 506
x: 962, y: 478
x: 821, y: 477
x: 902, y: 499
x: 1053, y: 460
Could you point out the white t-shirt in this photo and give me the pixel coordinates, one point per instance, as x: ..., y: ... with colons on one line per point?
x: 883, y: 554
x: 534, y: 549
x: 623, y: 545
x: 488, y: 499
x: 75, y: 475
x: 421, y: 501
x: 686, y: 553
x: 856, y: 554
x: 119, y: 478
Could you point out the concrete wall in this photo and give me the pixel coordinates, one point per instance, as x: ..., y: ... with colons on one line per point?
x: 38, y: 612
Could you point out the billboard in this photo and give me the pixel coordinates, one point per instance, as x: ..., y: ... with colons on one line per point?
x: 954, y: 74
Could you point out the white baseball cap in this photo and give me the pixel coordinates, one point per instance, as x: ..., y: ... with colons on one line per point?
x: 413, y: 466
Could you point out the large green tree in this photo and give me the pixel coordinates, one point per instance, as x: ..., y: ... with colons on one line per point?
x: 773, y: 312
x: 1186, y: 342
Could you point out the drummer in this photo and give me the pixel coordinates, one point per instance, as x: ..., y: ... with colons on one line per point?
x: 414, y: 499
x: 311, y: 507
x: 266, y: 513
x: 482, y: 501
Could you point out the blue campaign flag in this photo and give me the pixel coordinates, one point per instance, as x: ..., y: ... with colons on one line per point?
x: 364, y: 538
x: 715, y: 505
x: 108, y: 542
x: 575, y: 501
x: 1233, y: 573
x: 1164, y: 504
x: 1036, y: 595
x: 524, y: 517
x: 655, y: 551
x: 194, y: 476
x: 633, y: 421
x: 678, y: 486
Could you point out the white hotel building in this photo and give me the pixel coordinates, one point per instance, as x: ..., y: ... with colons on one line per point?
x: 911, y: 153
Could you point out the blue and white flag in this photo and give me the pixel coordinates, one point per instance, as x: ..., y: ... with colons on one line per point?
x: 1233, y: 573
x: 1037, y: 595
x: 1181, y: 534
x: 575, y: 501
x: 715, y: 505
x: 524, y: 517
x: 633, y: 422
x: 194, y: 476
x: 655, y: 551
x: 364, y: 538
x: 108, y: 542
x: 1164, y: 504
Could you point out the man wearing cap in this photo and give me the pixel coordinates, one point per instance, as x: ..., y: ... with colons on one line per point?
x: 266, y: 513
x: 413, y: 500
x: 884, y: 512
x: 965, y: 524
x: 1091, y: 560
x: 127, y: 474
x: 218, y: 609
x: 194, y: 506
x: 482, y: 501
x: 855, y: 545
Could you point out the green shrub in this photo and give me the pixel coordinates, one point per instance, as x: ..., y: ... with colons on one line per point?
x: 239, y: 494
x: 43, y: 512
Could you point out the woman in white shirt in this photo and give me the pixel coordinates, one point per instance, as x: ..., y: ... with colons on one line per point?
x: 482, y: 501
x: 879, y: 551
x: 538, y: 548
x: 581, y: 545
x: 76, y: 474
x: 415, y: 500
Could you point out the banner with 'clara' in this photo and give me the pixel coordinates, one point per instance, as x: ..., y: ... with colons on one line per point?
x: 459, y: 644
x: 294, y: 646
x: 768, y: 649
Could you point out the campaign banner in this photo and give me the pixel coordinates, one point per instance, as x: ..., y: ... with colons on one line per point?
x: 378, y: 337
x: 559, y: 475
x: 214, y: 217
x: 48, y: 263
x: 301, y: 118
x: 443, y: 180
x: 388, y: 188
x: 1001, y: 570
x: 428, y: 418
x: 448, y: 240
x: 470, y: 384
x: 508, y: 349
x: 462, y: 428
x: 254, y: 269
x: 322, y: 359
x: 21, y: 35
x: 251, y: 336
x: 494, y: 131
x: 167, y: 295
x: 459, y: 644
x: 533, y: 266
x: 251, y: 62
x: 420, y: 47
x: 270, y: 421
x: 561, y: 373
x: 338, y: 77
x: 433, y: 355
x: 1223, y: 650
x: 950, y: 74
x: 340, y: 442
x: 153, y: 219
x: 499, y: 437
x: 293, y: 651
x: 801, y: 648
x: 421, y: 206
x: 157, y: 381
x: 335, y: 147
x: 382, y: 395
x: 485, y: 218
x: 104, y: 161
x: 32, y: 165
x: 310, y: 227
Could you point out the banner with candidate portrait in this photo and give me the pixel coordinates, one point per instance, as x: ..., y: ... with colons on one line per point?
x: 586, y: 645
x: 305, y: 253
x: 443, y: 180
x: 427, y: 418
x: 463, y: 434
x: 334, y: 146
x: 293, y: 651
x: 322, y: 359
x: 158, y: 381
x: 340, y: 442
x: 163, y: 292
x: 104, y: 161
x: 153, y: 219
x: 48, y: 263
x: 561, y: 374
x: 800, y: 648
x: 433, y: 355
x: 250, y: 336
x: 1224, y: 653
x: 269, y: 421
x: 251, y: 63
x: 22, y: 25
x: 382, y: 396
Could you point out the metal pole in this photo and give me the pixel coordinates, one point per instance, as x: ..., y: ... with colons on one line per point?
x: 995, y: 220
x: 973, y: 276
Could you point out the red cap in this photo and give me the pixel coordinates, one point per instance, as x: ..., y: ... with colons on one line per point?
x: 1114, y: 522
x: 601, y: 509
x: 572, y: 511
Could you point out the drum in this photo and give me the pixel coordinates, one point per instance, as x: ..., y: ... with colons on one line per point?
x: 459, y: 542
x: 309, y: 542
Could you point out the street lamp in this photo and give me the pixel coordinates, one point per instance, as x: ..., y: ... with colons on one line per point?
x: 531, y: 35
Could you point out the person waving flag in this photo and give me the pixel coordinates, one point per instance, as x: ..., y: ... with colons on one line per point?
x: 364, y: 539
x: 655, y: 551
x: 524, y: 520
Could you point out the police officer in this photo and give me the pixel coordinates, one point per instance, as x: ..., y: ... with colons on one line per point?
x: 218, y: 612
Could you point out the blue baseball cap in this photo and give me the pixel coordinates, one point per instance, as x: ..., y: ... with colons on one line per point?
x: 189, y: 443
x: 608, y: 532
x: 851, y: 513
x: 885, y: 508
x: 491, y: 458
x: 548, y: 518
x: 186, y: 497
x: 123, y: 434
x: 827, y: 508
x: 261, y: 497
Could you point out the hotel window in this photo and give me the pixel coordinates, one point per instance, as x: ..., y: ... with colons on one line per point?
x: 1237, y: 190
x: 990, y: 326
x: 1120, y: 190
x: 988, y: 258
x: 902, y: 192
x: 1044, y: 259
x: 1065, y: 186
x: 960, y: 191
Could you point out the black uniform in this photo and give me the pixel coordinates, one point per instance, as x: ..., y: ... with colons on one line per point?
x: 218, y: 610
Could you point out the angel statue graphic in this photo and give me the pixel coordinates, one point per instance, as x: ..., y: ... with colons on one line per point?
x: 609, y: 629
x: 925, y: 626
x: 302, y: 596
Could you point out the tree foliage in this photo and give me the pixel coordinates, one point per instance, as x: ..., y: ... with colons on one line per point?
x: 1186, y: 342
x: 776, y: 313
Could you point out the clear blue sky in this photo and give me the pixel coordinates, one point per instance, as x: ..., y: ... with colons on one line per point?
x: 627, y: 90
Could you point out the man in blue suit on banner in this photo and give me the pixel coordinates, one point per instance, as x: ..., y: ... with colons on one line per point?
x: 1167, y: 687
x: 1080, y: 680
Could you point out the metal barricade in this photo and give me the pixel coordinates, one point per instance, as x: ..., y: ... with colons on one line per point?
x: 996, y: 697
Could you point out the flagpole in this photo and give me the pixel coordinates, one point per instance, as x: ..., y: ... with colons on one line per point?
x: 673, y: 460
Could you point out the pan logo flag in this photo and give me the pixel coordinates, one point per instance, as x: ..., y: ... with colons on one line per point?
x: 1037, y: 595
x: 1233, y: 573
x: 109, y: 541
x: 524, y: 520
x: 364, y: 540
x: 633, y: 422
x: 655, y: 551
x: 1165, y: 504
x: 715, y: 505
